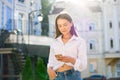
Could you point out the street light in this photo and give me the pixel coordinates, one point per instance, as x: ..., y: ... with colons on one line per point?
x: 40, y: 18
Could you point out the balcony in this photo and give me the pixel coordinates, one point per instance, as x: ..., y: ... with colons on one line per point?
x: 29, y: 39
x: 35, y: 45
x: 112, y: 55
x: 6, y: 50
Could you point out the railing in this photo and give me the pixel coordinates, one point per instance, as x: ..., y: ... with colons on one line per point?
x: 14, y: 52
x: 4, y: 34
x: 18, y: 56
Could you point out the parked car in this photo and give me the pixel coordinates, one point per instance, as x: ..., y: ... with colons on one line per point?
x: 95, y: 77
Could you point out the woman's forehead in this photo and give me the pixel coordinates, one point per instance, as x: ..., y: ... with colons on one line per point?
x: 62, y: 20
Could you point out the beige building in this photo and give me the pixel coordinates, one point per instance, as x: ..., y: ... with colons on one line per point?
x: 98, y: 22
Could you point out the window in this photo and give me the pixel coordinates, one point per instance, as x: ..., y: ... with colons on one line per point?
x: 91, y: 26
x: 10, y: 1
x: 110, y: 24
x: 22, y: 1
x: 118, y: 69
x: 111, y: 43
x: 93, y: 66
x: 9, y: 19
x: 2, y: 14
x: 92, y: 45
x: 20, y: 22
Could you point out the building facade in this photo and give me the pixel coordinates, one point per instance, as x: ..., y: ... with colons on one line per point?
x: 6, y: 6
x: 98, y: 22
x: 18, y: 29
x: 26, y: 19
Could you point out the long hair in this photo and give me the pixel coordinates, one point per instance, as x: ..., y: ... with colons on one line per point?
x: 67, y: 17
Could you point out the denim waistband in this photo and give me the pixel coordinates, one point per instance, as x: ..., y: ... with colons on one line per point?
x: 66, y: 72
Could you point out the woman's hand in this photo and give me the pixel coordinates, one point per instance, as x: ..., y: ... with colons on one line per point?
x: 68, y: 59
x: 52, y: 74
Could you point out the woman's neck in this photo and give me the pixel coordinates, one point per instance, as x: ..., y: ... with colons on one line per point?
x: 68, y: 36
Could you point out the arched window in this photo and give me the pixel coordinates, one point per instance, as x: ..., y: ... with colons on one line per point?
x: 91, y: 26
x: 22, y: 1
x: 111, y: 43
x: 110, y: 25
x: 20, y: 22
x: 2, y: 16
x: 93, y: 66
x: 9, y: 18
x: 92, y: 45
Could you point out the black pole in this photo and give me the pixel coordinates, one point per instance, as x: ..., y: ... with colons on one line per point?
x: 29, y: 33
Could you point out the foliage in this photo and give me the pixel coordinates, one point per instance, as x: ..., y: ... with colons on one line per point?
x: 27, y: 73
x: 40, y: 71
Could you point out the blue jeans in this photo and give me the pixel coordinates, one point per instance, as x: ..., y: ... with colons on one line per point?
x: 68, y: 75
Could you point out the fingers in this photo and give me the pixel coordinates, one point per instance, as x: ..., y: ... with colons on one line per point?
x: 52, y: 74
x: 58, y: 57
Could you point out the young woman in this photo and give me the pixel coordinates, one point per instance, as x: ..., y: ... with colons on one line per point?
x: 67, y: 56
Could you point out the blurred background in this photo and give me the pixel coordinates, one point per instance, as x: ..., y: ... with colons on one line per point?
x: 27, y: 28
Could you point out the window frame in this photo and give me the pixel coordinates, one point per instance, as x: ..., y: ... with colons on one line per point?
x: 92, y: 43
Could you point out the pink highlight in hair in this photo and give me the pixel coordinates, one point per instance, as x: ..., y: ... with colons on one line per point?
x: 73, y: 32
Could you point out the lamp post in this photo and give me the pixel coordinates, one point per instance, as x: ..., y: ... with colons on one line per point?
x: 40, y: 18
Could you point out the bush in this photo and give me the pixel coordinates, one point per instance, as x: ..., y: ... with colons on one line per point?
x: 40, y: 70
x: 27, y: 73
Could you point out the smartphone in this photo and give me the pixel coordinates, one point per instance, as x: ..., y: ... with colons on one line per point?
x: 58, y: 56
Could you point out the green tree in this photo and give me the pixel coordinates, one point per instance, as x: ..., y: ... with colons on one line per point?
x: 40, y: 70
x: 46, y: 6
x: 27, y: 73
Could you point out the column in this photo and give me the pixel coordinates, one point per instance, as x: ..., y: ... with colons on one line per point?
x: 105, y: 25
x: 116, y: 27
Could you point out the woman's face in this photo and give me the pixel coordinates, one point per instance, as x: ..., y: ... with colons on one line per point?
x: 64, y: 26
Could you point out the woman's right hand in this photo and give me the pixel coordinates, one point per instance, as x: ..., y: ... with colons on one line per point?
x: 52, y: 74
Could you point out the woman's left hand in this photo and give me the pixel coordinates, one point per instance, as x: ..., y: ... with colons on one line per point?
x: 68, y: 59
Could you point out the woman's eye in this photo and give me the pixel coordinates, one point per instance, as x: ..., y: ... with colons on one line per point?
x: 59, y: 26
x: 65, y: 24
